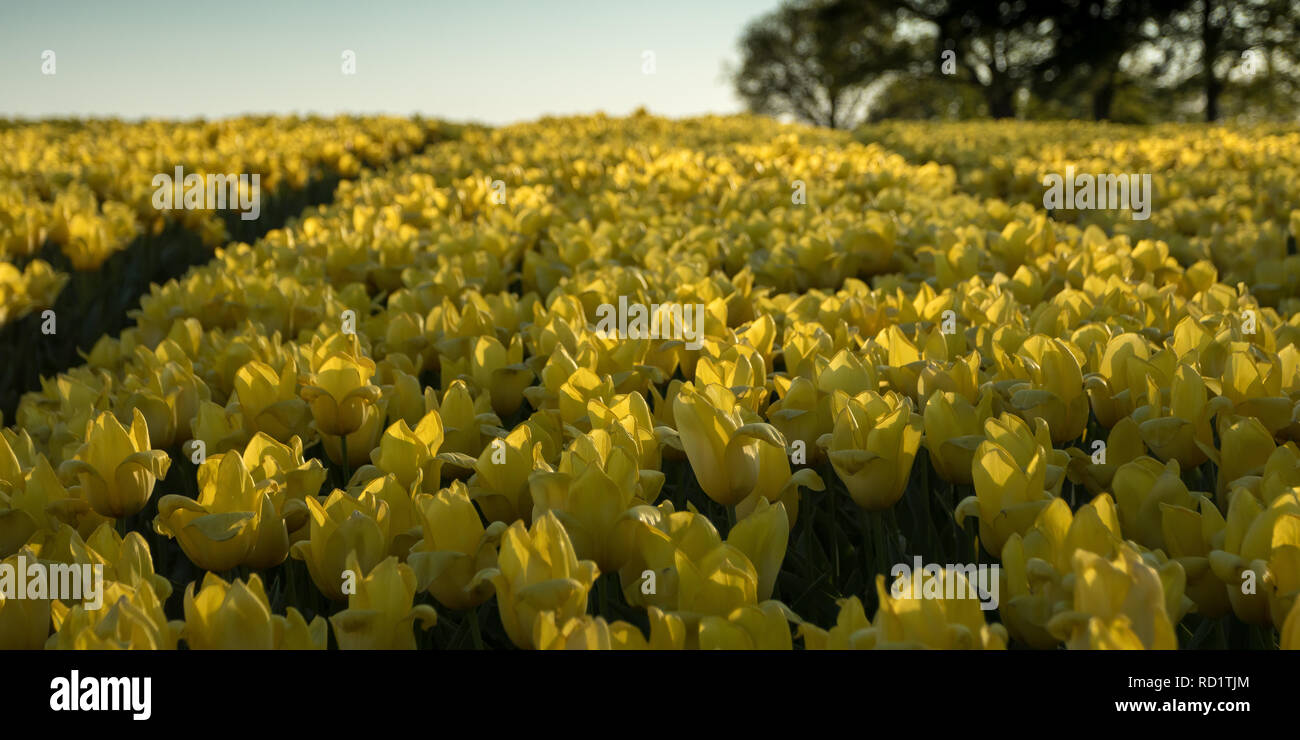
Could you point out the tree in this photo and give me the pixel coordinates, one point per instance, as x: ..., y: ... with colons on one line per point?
x: 999, y: 45
x: 1100, y: 48
x: 828, y: 61
x: 1243, y: 49
x: 817, y: 60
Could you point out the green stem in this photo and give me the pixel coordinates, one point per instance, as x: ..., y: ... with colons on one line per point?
x: 603, y: 588
x: 867, y: 541
x: 877, y: 543
x: 347, y: 468
x: 474, y: 629
x: 892, y: 538
x: 835, y: 540
x: 291, y: 584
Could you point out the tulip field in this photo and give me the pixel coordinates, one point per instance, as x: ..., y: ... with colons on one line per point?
x: 409, y: 407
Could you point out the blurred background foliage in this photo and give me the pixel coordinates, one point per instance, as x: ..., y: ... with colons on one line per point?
x: 841, y: 63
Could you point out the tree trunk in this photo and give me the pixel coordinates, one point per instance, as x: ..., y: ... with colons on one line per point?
x: 1001, y: 102
x: 1210, y: 40
x: 1101, y: 101
x: 1103, y: 97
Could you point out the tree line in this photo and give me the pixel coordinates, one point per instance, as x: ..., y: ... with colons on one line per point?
x: 839, y: 63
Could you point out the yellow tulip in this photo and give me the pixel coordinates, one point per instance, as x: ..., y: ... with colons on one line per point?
x: 803, y: 415
x: 454, y: 548
x: 233, y: 522
x: 409, y: 454
x: 1142, y: 487
x: 762, y: 627
x: 581, y: 633
x: 403, y: 522
x: 1189, y: 537
x: 910, y: 621
x: 736, y: 459
x: 872, y: 447
x: 763, y: 536
x: 342, y: 526
x: 24, y: 623
x: 953, y: 430
x: 468, y: 422
x: 845, y: 372
x: 740, y: 368
x: 39, y: 501
x: 1281, y: 473
x: 667, y: 632
x: 237, y: 616
x: 341, y: 396
x: 359, y: 443
x: 538, y: 572
x: 1055, y: 392
x: 283, y: 466
x: 588, y: 504
x: 1255, y: 389
x: 1109, y: 389
x: 593, y: 633
x: 580, y: 388
x: 495, y: 368
x: 1096, y: 471
x: 130, y: 619
x: 647, y: 539
x: 500, y: 481
x: 1245, y: 447
x: 380, y: 615
x: 1289, y: 637
x: 1119, y: 603
x: 1010, y: 474
x: 628, y: 422
x: 1259, y: 558
x: 219, y: 429
x: 717, y: 584
x: 1036, y: 568
x: 117, y: 469
x: 852, y: 630
x: 1180, y: 431
x: 268, y: 401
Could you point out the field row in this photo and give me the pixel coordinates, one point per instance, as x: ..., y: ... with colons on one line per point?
x: 408, y: 419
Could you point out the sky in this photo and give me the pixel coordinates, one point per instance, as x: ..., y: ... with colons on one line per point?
x: 489, y: 61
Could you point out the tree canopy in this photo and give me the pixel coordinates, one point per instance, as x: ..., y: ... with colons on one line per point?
x: 837, y: 63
